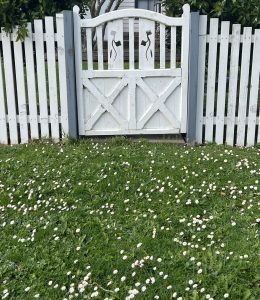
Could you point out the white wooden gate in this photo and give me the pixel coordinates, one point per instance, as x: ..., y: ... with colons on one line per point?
x: 139, y: 99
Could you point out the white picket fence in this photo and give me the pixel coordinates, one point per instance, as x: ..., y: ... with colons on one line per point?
x: 33, y: 83
x: 228, y: 84
x: 38, y: 93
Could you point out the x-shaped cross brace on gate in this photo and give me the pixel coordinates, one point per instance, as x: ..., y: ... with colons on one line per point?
x: 105, y: 103
x: 158, y: 102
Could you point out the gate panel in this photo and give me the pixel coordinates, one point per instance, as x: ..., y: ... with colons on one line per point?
x: 121, y: 99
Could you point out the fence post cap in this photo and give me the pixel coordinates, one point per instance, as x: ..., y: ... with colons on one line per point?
x: 76, y: 9
x: 186, y: 8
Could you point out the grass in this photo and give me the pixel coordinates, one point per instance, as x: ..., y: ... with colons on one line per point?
x: 123, y: 220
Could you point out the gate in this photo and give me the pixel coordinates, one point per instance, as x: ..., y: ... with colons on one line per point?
x: 131, y: 96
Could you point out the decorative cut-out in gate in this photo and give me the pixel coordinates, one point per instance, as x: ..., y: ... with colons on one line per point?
x: 144, y: 43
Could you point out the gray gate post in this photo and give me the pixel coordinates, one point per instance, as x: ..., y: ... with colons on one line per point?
x: 70, y: 74
x: 193, y: 78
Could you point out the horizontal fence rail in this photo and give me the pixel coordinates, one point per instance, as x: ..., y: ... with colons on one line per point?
x: 228, y: 84
x: 34, y: 86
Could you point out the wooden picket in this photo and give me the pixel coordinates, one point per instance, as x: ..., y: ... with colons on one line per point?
x: 233, y: 77
x: 29, y: 95
x: 9, y: 86
x: 222, y: 82
x: 243, y: 90
x: 252, y: 110
x: 211, y: 78
x: 31, y: 84
x: 3, y: 119
x: 20, y: 86
x: 52, y: 78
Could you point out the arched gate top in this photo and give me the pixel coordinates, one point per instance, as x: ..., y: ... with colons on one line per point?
x: 136, y: 13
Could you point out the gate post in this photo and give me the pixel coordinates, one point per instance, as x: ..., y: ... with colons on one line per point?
x: 78, y: 68
x: 69, y: 70
x: 193, y: 78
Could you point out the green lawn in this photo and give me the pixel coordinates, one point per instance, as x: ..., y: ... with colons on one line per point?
x: 124, y: 220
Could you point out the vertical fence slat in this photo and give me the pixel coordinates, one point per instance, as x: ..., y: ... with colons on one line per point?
x: 52, y: 78
x: 173, y: 47
x: 251, y: 129
x: 89, y: 48
x: 20, y: 87
x: 100, y: 47
x: 162, y: 46
x: 115, y: 45
x: 3, y: 120
x: 31, y: 87
x: 9, y: 83
x: 222, y: 82
x: 201, y: 76
x: 243, y: 90
x: 41, y: 78
x: 232, y: 92
x: 131, y: 44
x: 212, y: 61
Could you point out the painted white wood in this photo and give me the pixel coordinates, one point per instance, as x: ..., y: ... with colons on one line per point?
x: 31, y: 84
x: 52, y: 78
x: 211, y: 79
x: 130, y: 131
x: 9, y: 85
x: 254, y: 90
x: 129, y: 73
x: 173, y: 47
x: 62, y: 73
x: 133, y: 13
x: 78, y: 68
x: 185, y: 65
x: 3, y: 120
x: 222, y: 82
x: 131, y: 44
x: 89, y: 48
x: 158, y: 103
x: 115, y: 45
x: 243, y: 90
x: 132, y: 103
x: 231, y: 38
x: 146, y: 44
x: 105, y: 103
x: 201, y: 77
x: 232, y: 92
x: 20, y: 85
x: 162, y: 46
x: 41, y: 78
x: 100, y: 47
x: 105, y: 106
